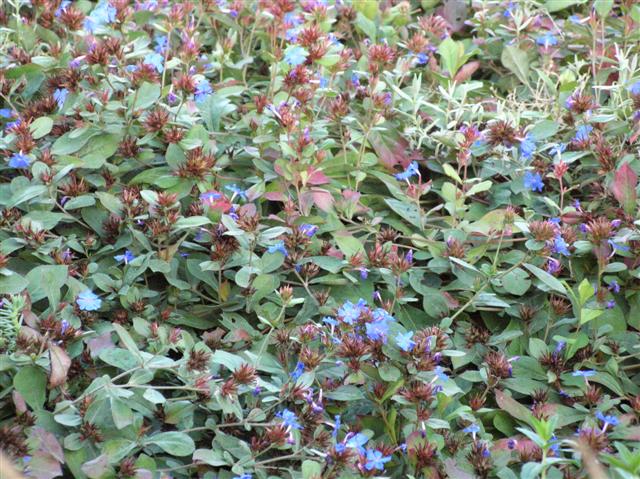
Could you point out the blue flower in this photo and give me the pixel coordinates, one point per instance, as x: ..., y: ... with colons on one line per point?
x: 289, y: 419
x: 440, y: 374
x: 210, y: 196
x: 575, y: 19
x: 6, y: 113
x: 127, y: 257
x: 103, y: 14
x: 62, y: 7
x: 278, y: 248
x: 558, y: 149
x: 405, y: 342
x: 375, y: 460
x: 582, y: 133
x: 60, y: 95
x: 13, y: 124
x: 587, y: 373
x: 336, y: 426
x: 560, y: 346
x: 635, y: 88
x: 155, y: 60
x: 298, y: 371
x: 350, y: 312
x: 355, y: 79
x: 527, y: 146
x: 412, y: 170
x: 246, y: 475
x: 88, y: 301
x: 614, y: 286
x: 330, y: 321
x: 560, y: 246
x: 377, y: 330
x: 547, y: 40
x: 237, y: 190
x: 607, y: 420
x: 308, y: 230
x: 162, y: 42
x: 508, y: 12
x: 472, y: 429
x: 422, y: 58
x: 64, y: 326
x: 19, y: 160
x: 533, y: 181
x: 357, y: 442
x: 295, y: 56
x: 203, y: 90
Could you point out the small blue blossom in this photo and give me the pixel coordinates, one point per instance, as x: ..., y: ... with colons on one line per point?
x: 336, y: 425
x: 635, y: 88
x: 422, y: 58
x: 582, y: 133
x: 560, y: 246
x: 533, y: 181
x: 289, y: 419
x: 298, y: 371
x: 237, y: 190
x: 558, y: 149
x: 508, y: 12
x: 350, y: 312
x: 62, y: 7
x: 355, y: 79
x: 472, y: 429
x: 19, y: 160
x: 13, y: 124
x: 60, y: 95
x: 246, y: 475
x: 440, y: 374
x: 611, y: 304
x: 377, y: 330
x: 126, y: 258
x: 308, y: 230
x: 88, y: 301
x: 6, y: 113
x: 103, y: 14
x: 278, y: 248
x: 560, y: 347
x: 405, y: 342
x: 575, y: 19
x: 330, y: 321
x: 64, y: 326
x: 295, y: 56
x: 527, y: 146
x: 357, y: 441
x: 203, y: 90
x: 375, y: 460
x: 210, y: 196
x: 547, y: 40
x: 614, y: 286
x: 412, y: 170
x: 607, y: 420
x: 162, y: 43
x: 155, y: 60
x: 587, y: 373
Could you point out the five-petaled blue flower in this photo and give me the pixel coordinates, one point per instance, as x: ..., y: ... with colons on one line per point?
x: 162, y: 42
x: 547, y: 40
x: 60, y: 95
x: 560, y: 246
x: 608, y: 420
x: 298, y: 371
x: 472, y: 429
x: 350, y: 312
x: 440, y: 374
x: 377, y: 330
x: 103, y: 14
x: 127, y: 257
x: 19, y: 160
x: 279, y: 247
x: 527, y: 146
x: 88, y: 301
x: 308, y: 230
x: 237, y: 190
x: 587, y: 373
x: 412, y: 170
x: 635, y: 88
x: 558, y: 149
x: 203, y: 90
x: 375, y: 460
x: 582, y: 133
x: 533, y: 181
x: 422, y: 58
x: 155, y: 60
x: 404, y: 341
x: 289, y: 419
x: 295, y: 56
x: 357, y: 441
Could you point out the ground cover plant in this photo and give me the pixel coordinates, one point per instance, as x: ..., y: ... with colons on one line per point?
x: 320, y: 239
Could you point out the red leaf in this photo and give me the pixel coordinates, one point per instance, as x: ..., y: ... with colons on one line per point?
x: 466, y: 72
x: 316, y: 177
x: 322, y: 198
x: 391, y: 151
x: 624, y: 187
x: 60, y: 364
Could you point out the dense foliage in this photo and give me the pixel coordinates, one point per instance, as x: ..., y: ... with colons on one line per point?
x: 320, y: 239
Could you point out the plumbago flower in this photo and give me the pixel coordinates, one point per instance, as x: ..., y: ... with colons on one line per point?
x: 326, y: 238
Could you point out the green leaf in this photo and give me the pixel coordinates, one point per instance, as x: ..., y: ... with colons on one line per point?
x: 174, y: 443
x: 311, y: 470
x: 211, y: 457
x: 516, y: 282
x: 551, y: 282
x: 585, y: 291
x: 406, y: 210
x: 47, y: 281
x: 451, y: 55
x: 41, y: 127
x: 31, y: 383
x: 146, y: 95
x: 587, y: 314
x: 603, y: 7
x: 517, y: 62
x: 557, y: 5
x: 349, y: 245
